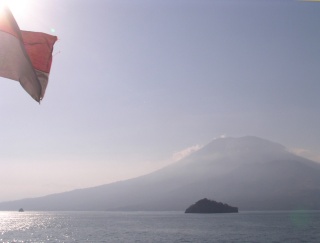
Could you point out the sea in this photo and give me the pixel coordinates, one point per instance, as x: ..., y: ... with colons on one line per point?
x: 284, y: 226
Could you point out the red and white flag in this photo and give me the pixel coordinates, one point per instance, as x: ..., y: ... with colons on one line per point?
x: 25, y: 56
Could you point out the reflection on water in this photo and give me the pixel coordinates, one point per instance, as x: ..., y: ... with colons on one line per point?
x: 15, y: 221
x: 23, y: 227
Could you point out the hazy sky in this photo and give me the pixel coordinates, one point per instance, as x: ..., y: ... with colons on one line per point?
x: 135, y: 85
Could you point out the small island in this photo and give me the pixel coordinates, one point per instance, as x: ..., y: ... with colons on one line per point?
x: 209, y: 206
x: 21, y: 210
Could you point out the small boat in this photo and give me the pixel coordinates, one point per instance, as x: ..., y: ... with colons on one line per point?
x: 21, y: 210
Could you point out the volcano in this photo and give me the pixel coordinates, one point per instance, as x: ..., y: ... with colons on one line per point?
x: 250, y: 172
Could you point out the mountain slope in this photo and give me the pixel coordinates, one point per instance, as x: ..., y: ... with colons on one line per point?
x: 249, y: 172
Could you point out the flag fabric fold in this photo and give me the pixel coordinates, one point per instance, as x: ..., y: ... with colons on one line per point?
x: 25, y: 56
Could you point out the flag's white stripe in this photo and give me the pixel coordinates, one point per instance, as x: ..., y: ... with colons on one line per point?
x: 43, y: 79
x: 15, y: 65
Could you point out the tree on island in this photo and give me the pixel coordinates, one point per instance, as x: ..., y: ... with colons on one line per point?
x: 209, y: 206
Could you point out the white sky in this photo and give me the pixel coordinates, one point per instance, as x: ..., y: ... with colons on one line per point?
x: 136, y: 84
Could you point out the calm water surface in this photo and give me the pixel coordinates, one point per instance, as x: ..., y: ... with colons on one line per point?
x: 295, y: 226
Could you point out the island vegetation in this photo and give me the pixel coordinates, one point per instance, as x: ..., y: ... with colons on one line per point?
x: 209, y: 206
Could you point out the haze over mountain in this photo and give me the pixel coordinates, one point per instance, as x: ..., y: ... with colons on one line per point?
x: 248, y: 172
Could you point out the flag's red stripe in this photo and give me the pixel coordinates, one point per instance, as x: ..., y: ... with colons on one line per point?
x: 39, y: 47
